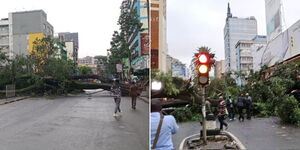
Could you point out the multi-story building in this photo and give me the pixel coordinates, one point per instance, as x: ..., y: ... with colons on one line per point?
x: 18, y: 29
x: 61, y: 50
x: 244, y: 55
x: 236, y: 29
x: 257, y: 49
x: 176, y: 67
x: 71, y: 42
x: 159, y: 49
x: 4, y: 35
x: 244, y: 59
x: 219, y: 68
x: 89, y: 62
x: 139, y: 40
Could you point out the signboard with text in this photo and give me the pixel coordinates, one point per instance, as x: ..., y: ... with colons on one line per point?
x: 119, y: 67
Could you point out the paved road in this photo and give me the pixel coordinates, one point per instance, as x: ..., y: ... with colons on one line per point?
x: 256, y: 134
x: 73, y: 123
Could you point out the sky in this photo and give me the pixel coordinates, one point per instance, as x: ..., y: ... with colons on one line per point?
x: 94, y: 20
x: 195, y: 23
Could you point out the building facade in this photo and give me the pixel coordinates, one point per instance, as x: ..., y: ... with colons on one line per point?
x: 176, y: 68
x: 89, y: 61
x: 70, y: 40
x: 22, y: 25
x: 18, y: 28
x: 4, y: 35
x: 139, y: 40
x: 219, y: 68
x: 236, y: 29
x: 158, y: 21
x: 245, y: 50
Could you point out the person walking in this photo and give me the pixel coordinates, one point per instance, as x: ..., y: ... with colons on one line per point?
x: 248, y: 102
x: 116, y: 91
x: 162, y: 128
x: 222, y: 113
x: 240, y: 107
x: 133, y: 93
x: 230, y: 107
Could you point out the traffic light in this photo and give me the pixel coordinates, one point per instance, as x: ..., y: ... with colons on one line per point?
x: 204, y: 62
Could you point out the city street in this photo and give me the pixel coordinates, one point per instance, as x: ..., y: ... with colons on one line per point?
x: 258, y: 133
x: 73, y: 123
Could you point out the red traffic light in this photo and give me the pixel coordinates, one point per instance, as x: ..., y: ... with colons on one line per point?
x: 203, y: 58
x: 203, y: 64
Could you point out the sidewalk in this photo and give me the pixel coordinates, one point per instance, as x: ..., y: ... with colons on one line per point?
x: 12, y: 99
x: 144, y: 96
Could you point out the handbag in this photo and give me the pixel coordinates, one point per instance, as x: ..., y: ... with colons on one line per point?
x: 158, y: 131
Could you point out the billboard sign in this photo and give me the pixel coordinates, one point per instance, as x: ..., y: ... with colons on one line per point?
x: 145, y: 43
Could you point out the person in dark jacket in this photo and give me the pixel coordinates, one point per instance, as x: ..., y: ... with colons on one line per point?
x: 248, y: 106
x: 230, y: 107
x: 240, y: 107
x: 222, y: 113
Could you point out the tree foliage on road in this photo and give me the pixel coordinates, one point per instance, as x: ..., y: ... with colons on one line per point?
x: 84, y: 70
x: 271, y: 90
x: 40, y: 68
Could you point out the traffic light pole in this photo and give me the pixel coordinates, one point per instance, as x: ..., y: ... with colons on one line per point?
x: 204, y: 115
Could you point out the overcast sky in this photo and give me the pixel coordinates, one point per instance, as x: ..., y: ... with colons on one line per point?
x: 194, y: 23
x: 94, y: 20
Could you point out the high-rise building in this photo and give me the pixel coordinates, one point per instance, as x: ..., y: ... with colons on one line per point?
x: 159, y: 49
x: 236, y: 29
x: 71, y: 42
x: 139, y: 40
x: 17, y: 30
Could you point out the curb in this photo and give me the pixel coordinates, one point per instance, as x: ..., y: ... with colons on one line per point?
x: 15, y: 100
x: 238, y: 142
x: 146, y: 100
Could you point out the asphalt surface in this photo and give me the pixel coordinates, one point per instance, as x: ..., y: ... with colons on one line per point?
x: 73, y: 123
x: 255, y: 134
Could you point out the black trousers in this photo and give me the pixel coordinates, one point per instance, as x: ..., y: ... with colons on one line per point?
x: 231, y: 112
x: 133, y: 102
x: 240, y: 110
x: 222, y: 122
x: 248, y: 112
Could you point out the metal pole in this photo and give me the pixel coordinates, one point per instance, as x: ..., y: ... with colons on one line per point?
x: 204, y: 116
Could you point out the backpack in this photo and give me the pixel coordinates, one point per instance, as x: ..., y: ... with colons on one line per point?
x: 240, y: 102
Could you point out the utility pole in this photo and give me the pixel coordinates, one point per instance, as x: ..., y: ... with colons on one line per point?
x: 204, y: 115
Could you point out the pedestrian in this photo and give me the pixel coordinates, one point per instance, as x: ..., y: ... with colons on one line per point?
x: 240, y: 107
x: 230, y: 107
x: 162, y: 128
x: 248, y: 106
x: 222, y: 113
x: 133, y: 93
x: 116, y: 91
